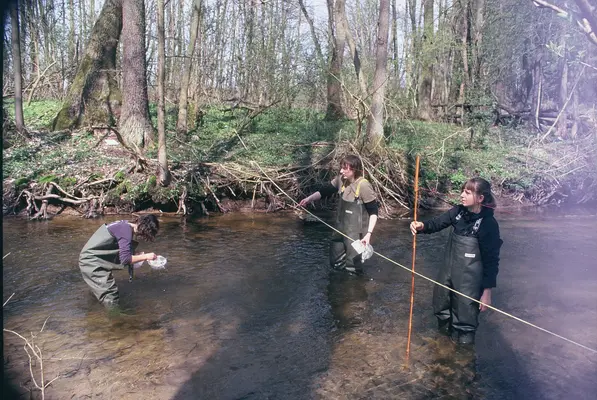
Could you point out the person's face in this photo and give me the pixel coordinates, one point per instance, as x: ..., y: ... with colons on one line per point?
x: 347, y: 172
x: 469, y: 199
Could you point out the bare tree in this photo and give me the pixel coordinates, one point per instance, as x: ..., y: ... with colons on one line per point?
x: 16, y: 65
x: 337, y: 43
x: 163, y: 172
x: 182, y: 123
x: 427, y: 64
x: 134, y: 125
x: 375, y: 120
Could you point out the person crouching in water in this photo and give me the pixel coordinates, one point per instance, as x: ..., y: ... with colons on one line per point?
x: 357, y: 213
x: 471, y: 260
x: 111, y: 248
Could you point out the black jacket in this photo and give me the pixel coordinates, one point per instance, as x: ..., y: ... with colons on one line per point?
x: 488, y: 235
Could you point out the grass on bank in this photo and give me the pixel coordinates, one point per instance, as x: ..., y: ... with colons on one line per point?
x: 283, y: 137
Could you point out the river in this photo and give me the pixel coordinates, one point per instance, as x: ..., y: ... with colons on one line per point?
x: 247, y: 308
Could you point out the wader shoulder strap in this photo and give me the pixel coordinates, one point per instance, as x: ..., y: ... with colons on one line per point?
x: 476, y: 226
x: 358, y: 189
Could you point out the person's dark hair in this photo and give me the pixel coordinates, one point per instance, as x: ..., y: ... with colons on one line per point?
x: 147, y: 227
x: 480, y: 186
x: 354, y: 163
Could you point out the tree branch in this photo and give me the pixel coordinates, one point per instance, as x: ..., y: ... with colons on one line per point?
x: 585, y: 19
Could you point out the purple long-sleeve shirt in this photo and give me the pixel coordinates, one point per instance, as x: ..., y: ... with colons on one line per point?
x: 123, y: 233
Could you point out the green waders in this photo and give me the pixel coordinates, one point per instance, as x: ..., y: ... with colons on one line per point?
x: 98, y: 258
x: 352, y: 220
x: 462, y: 271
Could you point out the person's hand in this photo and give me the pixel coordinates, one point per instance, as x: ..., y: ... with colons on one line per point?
x: 150, y: 256
x: 304, y: 202
x: 486, y: 299
x: 416, y: 226
x: 366, y: 239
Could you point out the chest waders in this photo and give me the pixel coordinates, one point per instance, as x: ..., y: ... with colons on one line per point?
x: 462, y: 270
x: 352, y: 220
x: 99, y: 257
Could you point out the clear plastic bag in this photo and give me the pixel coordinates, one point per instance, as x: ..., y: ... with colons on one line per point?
x: 365, y: 251
x: 158, y: 263
x: 365, y: 255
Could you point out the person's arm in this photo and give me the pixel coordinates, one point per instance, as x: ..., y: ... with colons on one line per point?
x: 326, y: 190
x: 435, y: 224
x: 489, y: 247
x: 143, y: 257
x: 372, y: 209
x: 123, y: 233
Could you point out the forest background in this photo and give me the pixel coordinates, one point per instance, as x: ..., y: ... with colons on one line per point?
x: 200, y: 105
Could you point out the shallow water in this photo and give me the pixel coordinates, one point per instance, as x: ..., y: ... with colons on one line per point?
x: 248, y: 309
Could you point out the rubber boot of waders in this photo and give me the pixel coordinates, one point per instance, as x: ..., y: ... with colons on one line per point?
x: 444, y: 327
x: 466, y: 338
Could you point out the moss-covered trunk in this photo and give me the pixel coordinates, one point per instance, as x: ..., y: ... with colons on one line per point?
x: 94, y: 96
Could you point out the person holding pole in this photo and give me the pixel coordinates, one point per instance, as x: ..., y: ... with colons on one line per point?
x: 357, y: 213
x: 471, y: 259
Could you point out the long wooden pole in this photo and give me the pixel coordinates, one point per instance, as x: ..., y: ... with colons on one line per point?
x: 414, y: 257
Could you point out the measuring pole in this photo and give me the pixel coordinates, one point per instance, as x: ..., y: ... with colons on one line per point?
x: 412, y: 285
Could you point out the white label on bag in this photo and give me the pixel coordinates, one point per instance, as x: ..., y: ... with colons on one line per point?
x: 348, y: 212
x: 469, y: 255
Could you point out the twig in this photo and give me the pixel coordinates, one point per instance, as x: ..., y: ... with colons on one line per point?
x: 10, y: 295
x: 6, y: 255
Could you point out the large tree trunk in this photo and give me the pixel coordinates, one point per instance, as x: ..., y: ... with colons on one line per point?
x: 375, y: 120
x: 334, y: 84
x: 427, y: 62
x: 183, y: 103
x: 163, y: 172
x: 94, y: 96
x: 16, y: 66
x: 135, y: 125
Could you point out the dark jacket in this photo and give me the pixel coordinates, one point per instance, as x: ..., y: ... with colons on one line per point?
x: 488, y: 234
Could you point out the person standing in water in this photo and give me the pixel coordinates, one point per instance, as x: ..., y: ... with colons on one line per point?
x: 357, y: 213
x: 111, y: 248
x: 471, y: 259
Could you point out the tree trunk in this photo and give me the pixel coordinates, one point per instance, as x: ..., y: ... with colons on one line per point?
x: 135, y: 125
x: 343, y: 25
x: 94, y: 96
x: 375, y: 120
x: 16, y: 66
x: 396, y: 64
x: 183, y: 103
x: 313, y: 34
x: 163, y: 172
x: 71, y: 37
x: 427, y: 62
x: 334, y: 84
x: 563, y: 121
x: 477, y: 42
x: 464, y: 49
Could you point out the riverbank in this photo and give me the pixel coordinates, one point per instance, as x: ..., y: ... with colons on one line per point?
x: 236, y: 161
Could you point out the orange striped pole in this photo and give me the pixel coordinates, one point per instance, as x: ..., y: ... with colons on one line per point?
x: 414, y: 257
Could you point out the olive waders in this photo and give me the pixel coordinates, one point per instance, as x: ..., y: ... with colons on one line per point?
x: 462, y: 270
x: 99, y: 257
x: 352, y: 220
